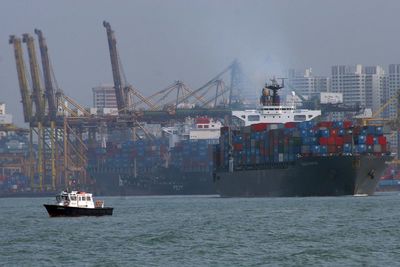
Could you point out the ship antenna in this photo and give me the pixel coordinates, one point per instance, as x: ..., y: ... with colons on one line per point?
x: 275, y: 87
x: 293, y: 98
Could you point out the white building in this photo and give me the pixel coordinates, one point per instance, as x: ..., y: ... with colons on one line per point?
x: 4, y: 117
x: 104, y: 97
x: 358, y: 84
x: 306, y: 84
x: 393, y: 85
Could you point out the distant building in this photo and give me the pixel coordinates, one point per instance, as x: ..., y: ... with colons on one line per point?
x: 4, y: 117
x: 306, y: 84
x: 358, y: 84
x: 393, y: 85
x: 104, y: 97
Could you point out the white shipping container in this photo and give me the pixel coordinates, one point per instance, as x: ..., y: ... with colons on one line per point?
x: 93, y: 111
x: 6, y: 119
x: 331, y: 98
x: 110, y: 111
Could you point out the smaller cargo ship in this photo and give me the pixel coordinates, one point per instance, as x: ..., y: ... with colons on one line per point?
x: 76, y: 203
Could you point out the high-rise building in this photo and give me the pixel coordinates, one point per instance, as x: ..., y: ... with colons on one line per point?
x: 393, y: 85
x: 358, y: 84
x: 306, y: 84
x: 104, y: 97
x: 375, y: 84
x: 4, y: 117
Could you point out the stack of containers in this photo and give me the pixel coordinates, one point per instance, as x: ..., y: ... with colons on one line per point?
x: 194, y: 155
x: 148, y: 153
x: 276, y: 143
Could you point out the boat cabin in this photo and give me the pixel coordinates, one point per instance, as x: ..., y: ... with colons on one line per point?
x: 78, y: 199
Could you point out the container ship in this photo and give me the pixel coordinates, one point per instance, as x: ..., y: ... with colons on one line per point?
x: 280, y: 151
x: 179, y: 163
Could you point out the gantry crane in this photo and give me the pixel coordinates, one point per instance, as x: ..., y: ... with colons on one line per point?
x: 22, y: 79
x: 38, y: 95
x: 47, y: 74
x: 124, y: 92
x: 39, y: 101
x: 116, y: 71
x: 25, y: 97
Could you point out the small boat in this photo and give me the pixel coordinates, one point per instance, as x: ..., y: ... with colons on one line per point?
x: 76, y: 203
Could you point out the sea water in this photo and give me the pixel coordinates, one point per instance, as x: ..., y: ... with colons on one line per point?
x: 206, y: 231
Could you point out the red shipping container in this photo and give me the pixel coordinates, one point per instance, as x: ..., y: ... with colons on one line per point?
x: 347, y: 124
x: 259, y: 127
x: 339, y: 141
x: 331, y: 149
x: 384, y: 148
x: 370, y: 140
x: 327, y: 124
x: 323, y: 141
x: 357, y: 130
x: 333, y: 132
x: 238, y: 147
x: 290, y: 125
x: 331, y: 140
x: 347, y: 139
x: 382, y: 140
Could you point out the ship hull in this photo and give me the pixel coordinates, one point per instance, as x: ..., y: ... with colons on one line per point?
x: 308, y: 176
x: 161, y: 181
x: 65, y: 211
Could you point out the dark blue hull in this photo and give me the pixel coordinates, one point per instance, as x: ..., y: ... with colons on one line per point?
x: 309, y: 176
x: 63, y: 211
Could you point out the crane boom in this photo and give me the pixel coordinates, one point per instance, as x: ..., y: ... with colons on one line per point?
x: 115, y: 65
x: 37, y: 91
x: 22, y: 79
x: 144, y: 99
x: 384, y: 106
x: 49, y: 89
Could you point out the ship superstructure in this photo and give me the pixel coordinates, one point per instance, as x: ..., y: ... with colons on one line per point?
x: 201, y: 128
x: 272, y: 110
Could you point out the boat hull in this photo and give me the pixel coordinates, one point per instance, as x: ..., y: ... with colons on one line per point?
x: 65, y: 211
x: 308, y: 176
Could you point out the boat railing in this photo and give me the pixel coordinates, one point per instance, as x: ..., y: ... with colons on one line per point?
x: 99, y: 204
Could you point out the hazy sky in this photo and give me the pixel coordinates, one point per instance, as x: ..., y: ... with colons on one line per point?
x: 166, y: 40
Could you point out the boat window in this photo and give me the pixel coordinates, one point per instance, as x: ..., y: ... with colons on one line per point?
x: 253, y: 117
x: 88, y: 198
x: 205, y: 126
x: 243, y: 116
x: 309, y: 116
x: 83, y: 199
x: 199, y: 126
x: 299, y: 117
x: 237, y: 122
x: 73, y: 198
